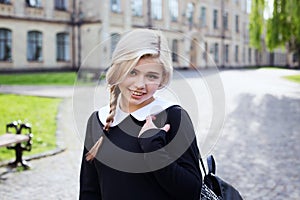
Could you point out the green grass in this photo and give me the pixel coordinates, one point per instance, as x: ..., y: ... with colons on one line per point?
x: 270, y: 67
x: 295, y: 78
x: 63, y: 78
x: 39, y: 111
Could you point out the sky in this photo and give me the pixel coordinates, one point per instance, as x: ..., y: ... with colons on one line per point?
x: 268, y: 11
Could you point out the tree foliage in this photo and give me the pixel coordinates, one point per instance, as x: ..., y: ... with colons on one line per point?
x: 256, y: 24
x: 282, y: 29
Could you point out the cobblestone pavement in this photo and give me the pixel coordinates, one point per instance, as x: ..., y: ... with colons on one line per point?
x: 258, y: 150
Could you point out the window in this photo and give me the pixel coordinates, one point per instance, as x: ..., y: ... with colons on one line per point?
x: 62, y: 47
x: 237, y: 23
x: 173, y: 7
x: 249, y: 55
x: 256, y: 55
x: 5, y: 45
x: 204, y: 55
x: 295, y: 57
x: 156, y: 9
x: 5, y: 1
x: 203, y: 17
x: 216, y: 52
x: 137, y: 7
x: 115, y: 6
x: 244, y: 55
x: 236, y: 53
x: 215, y: 19
x: 175, y: 50
x: 115, y: 37
x: 225, y: 21
x: 226, y: 53
x: 34, y: 46
x: 34, y: 3
x: 190, y: 13
x: 61, y: 4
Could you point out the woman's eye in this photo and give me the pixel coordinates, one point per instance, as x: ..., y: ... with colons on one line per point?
x: 132, y: 73
x: 152, y: 77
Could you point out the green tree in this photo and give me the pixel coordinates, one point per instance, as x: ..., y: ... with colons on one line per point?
x: 281, y: 30
x: 256, y: 24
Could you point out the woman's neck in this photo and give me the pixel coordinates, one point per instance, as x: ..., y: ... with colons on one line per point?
x: 125, y: 106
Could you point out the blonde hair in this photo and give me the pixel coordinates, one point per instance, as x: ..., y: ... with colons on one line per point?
x: 133, y: 46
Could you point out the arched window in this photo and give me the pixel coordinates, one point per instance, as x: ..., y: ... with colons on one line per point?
x: 34, y: 46
x: 5, y: 44
x: 62, y: 47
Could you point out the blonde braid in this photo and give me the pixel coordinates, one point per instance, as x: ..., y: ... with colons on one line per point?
x: 114, y: 93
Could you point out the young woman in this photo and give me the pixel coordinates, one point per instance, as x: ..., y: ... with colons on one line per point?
x: 140, y: 147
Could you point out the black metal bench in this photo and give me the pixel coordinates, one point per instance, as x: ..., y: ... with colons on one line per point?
x: 17, y: 141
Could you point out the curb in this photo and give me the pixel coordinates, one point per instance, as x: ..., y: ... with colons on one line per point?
x: 37, y: 156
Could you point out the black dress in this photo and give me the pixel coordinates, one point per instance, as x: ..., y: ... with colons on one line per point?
x: 156, y: 166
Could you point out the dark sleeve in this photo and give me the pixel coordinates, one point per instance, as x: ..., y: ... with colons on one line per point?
x: 89, y: 183
x: 182, y: 178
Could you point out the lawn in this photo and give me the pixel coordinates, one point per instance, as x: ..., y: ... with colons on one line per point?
x: 53, y: 78
x: 295, y: 78
x: 39, y: 111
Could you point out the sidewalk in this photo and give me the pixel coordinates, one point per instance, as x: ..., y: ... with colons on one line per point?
x: 45, y: 91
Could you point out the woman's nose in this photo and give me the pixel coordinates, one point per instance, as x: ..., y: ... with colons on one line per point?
x: 140, y: 82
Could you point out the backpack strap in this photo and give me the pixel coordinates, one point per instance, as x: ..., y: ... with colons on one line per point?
x: 211, y: 164
x: 202, y: 164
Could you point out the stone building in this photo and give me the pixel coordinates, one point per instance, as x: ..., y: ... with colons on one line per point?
x: 68, y: 34
x: 35, y: 34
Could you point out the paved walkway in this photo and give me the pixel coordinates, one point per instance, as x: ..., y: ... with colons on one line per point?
x: 258, y: 150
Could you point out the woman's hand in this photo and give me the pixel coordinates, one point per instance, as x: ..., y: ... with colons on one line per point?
x: 150, y: 125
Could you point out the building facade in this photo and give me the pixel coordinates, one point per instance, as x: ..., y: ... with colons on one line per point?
x: 35, y: 34
x: 41, y: 34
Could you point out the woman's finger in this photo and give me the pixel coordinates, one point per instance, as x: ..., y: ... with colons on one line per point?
x: 166, y: 127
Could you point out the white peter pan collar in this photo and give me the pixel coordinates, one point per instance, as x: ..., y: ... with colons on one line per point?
x: 155, y: 107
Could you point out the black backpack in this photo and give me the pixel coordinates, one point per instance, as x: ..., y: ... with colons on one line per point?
x: 213, y: 187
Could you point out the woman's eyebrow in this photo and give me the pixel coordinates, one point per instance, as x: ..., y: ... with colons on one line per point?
x: 150, y: 72
x: 153, y: 73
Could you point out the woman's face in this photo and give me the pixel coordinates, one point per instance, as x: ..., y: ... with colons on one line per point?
x: 140, y: 84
